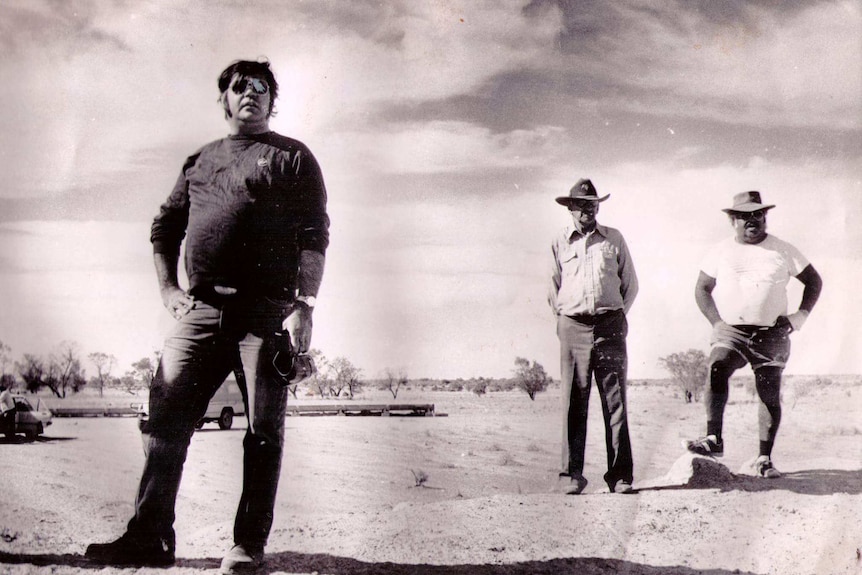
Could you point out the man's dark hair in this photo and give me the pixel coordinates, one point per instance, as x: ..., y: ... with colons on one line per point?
x: 250, y: 69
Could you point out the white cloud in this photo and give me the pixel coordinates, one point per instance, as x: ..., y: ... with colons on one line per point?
x: 444, y: 147
x: 771, y: 72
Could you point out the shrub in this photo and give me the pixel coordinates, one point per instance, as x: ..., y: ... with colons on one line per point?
x: 689, y: 371
x: 530, y: 377
x: 419, y: 477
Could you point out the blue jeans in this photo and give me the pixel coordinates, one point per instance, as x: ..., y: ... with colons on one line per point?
x: 590, y: 347
x: 205, y: 346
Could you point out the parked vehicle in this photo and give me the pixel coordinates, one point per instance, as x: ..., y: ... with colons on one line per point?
x: 29, y: 419
x: 223, y: 407
x: 225, y: 404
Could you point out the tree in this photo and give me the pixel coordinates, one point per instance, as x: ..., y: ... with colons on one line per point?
x: 65, y: 371
x: 320, y: 380
x: 478, y: 386
x: 140, y: 376
x: 393, y: 380
x: 689, y: 370
x: 6, y: 379
x: 530, y: 377
x: 5, y: 357
x: 346, y: 375
x: 104, y: 364
x: 32, y: 371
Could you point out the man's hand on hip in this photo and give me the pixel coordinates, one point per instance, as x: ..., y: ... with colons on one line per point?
x: 298, y: 324
x: 177, y: 302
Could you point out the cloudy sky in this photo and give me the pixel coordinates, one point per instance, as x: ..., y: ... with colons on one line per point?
x: 445, y: 130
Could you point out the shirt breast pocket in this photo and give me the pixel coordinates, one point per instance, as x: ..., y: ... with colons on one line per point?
x: 570, y: 262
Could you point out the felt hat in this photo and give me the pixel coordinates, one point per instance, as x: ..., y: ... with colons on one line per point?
x: 747, y: 202
x: 582, y: 190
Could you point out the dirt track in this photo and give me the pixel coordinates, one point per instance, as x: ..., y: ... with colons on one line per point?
x: 348, y: 503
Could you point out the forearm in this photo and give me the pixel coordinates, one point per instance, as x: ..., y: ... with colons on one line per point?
x: 166, y: 270
x: 629, y: 293
x: 311, y: 264
x: 813, y: 285
x: 706, y: 305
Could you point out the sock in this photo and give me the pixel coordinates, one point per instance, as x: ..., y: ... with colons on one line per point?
x: 713, y: 428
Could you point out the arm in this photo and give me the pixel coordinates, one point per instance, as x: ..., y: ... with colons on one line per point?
x: 628, y: 278
x: 177, y: 301
x: 313, y: 239
x: 703, y: 297
x: 556, y: 279
x: 813, y: 285
x: 810, y: 294
x: 299, y: 323
x: 166, y: 235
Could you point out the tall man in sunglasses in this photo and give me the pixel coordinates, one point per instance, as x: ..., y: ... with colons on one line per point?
x: 742, y: 291
x: 593, y: 285
x: 252, y: 209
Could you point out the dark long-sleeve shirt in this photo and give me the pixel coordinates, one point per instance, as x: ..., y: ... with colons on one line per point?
x: 247, y: 206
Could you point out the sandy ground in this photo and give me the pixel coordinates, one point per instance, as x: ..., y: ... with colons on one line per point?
x: 348, y: 501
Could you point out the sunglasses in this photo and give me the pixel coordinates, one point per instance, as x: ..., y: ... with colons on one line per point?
x: 258, y: 86
x: 750, y: 216
x: 583, y: 206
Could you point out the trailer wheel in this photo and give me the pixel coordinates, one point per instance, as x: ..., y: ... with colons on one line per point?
x: 32, y: 433
x: 225, y: 420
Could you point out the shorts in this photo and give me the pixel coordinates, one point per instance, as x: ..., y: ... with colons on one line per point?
x: 760, y: 346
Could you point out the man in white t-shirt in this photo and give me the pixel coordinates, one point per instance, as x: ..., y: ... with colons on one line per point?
x: 742, y: 291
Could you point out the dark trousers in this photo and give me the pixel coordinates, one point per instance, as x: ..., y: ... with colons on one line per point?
x: 7, y: 421
x: 203, y: 348
x: 595, y: 346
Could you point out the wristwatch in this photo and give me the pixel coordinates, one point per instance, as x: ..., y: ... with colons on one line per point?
x: 308, y: 300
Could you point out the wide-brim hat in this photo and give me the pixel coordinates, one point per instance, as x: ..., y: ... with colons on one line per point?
x: 582, y: 190
x: 747, y: 202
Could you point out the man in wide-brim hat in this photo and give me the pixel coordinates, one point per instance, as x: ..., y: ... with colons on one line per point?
x: 593, y: 285
x: 742, y: 291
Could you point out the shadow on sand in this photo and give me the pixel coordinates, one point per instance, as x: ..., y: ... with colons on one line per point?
x: 332, y: 565
x: 19, y: 439
x: 808, y: 482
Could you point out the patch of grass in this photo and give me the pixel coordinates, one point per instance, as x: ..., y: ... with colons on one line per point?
x: 8, y: 535
x: 420, y: 477
x: 508, y: 460
x: 843, y: 431
x: 534, y: 447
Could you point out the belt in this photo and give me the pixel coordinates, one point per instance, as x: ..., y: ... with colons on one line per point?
x: 219, y: 296
x: 594, y: 318
x: 215, y: 296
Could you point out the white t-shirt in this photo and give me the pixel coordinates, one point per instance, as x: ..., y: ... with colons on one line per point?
x: 6, y: 401
x: 751, y: 279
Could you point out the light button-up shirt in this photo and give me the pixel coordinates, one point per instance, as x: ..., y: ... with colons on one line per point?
x: 592, y: 273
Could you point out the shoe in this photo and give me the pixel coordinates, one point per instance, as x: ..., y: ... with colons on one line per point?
x: 577, y: 483
x: 622, y: 486
x: 709, y: 446
x: 130, y: 551
x: 763, y: 467
x: 241, y: 559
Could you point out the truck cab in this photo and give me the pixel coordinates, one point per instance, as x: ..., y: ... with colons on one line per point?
x: 225, y: 404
